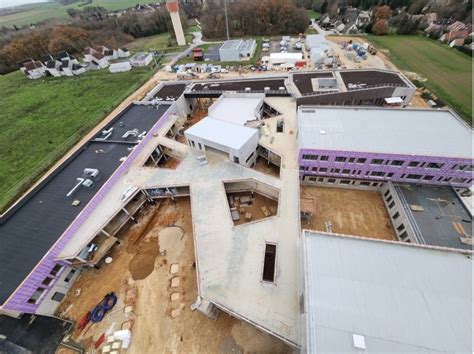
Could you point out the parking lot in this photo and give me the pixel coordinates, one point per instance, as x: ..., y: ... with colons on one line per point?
x: 275, y: 46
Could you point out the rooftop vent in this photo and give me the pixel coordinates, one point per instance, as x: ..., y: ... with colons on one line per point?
x: 322, y: 132
x: 266, y: 88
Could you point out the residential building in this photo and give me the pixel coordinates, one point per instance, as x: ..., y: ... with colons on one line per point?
x: 120, y: 67
x: 389, y: 144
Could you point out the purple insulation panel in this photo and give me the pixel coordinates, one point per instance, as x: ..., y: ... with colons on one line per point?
x: 19, y: 299
x: 390, y: 167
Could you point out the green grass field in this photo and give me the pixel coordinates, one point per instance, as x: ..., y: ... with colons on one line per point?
x: 42, y: 119
x: 159, y: 42
x: 313, y: 14
x: 448, y: 71
x: 34, y: 13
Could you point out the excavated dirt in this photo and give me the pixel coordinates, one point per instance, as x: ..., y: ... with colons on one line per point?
x: 143, y: 263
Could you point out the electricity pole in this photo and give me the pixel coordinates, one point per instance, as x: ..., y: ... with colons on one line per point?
x: 226, y: 19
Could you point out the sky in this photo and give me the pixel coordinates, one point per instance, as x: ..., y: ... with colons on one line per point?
x: 11, y: 3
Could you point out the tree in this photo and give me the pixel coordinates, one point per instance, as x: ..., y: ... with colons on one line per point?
x: 383, y: 12
x: 380, y: 27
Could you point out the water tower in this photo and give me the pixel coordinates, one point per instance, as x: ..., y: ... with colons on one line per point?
x: 173, y: 9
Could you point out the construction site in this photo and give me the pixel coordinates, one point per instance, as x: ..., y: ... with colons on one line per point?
x: 188, y: 221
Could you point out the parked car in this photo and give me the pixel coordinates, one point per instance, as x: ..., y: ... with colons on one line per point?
x: 224, y: 71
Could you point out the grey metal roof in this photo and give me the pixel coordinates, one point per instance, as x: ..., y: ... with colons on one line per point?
x: 28, y: 231
x: 316, y: 40
x: 400, y: 298
x: 443, y: 217
x: 231, y: 44
x: 393, y: 131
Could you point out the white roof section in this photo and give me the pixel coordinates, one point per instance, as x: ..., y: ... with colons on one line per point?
x: 237, y: 108
x: 220, y: 132
x: 391, y: 100
x: 295, y: 56
x: 231, y: 44
x: 397, y: 297
x: 404, y: 131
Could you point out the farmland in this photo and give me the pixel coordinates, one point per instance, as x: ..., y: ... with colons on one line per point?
x: 42, y: 119
x: 34, y: 13
x: 448, y: 71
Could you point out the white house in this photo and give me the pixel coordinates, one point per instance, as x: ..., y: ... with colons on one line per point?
x: 237, y: 142
x: 123, y: 53
x: 120, y: 67
x: 33, y: 69
x: 141, y: 59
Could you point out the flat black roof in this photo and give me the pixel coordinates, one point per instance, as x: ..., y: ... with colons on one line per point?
x: 371, y: 77
x: 444, y: 218
x: 303, y: 81
x: 240, y: 85
x: 28, y: 231
x: 170, y: 92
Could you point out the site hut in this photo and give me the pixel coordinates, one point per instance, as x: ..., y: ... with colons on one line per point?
x: 237, y: 49
x: 363, y: 87
x: 141, y: 59
x: 284, y: 61
x: 361, y: 295
x: 384, y: 144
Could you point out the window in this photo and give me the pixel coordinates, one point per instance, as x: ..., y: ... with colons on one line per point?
x: 36, y: 296
x: 391, y: 205
x: 312, y: 179
x: 459, y: 180
x: 200, y: 146
x: 324, y: 158
x: 346, y: 171
x: 435, y: 165
x: 55, y: 269
x: 331, y: 180
x: 361, y: 160
x: 302, y: 168
x: 389, y: 199
x: 375, y: 184
x: 396, y: 215
x: 248, y: 158
x: 352, y: 159
x: 387, y: 192
x: 314, y: 169
x: 397, y: 163
x: 413, y: 164
x: 269, y: 263
x: 320, y: 179
x: 335, y: 170
x: 364, y: 183
x: 376, y: 161
x: 401, y: 228
x: 404, y: 235
x: 57, y: 296
x: 340, y: 159
x: 447, y: 179
x: 345, y: 181
x: 413, y: 176
x: 310, y: 157
x: 323, y: 169
x: 390, y: 174
x: 377, y: 174
x: 47, y: 281
x: 428, y: 178
x: 70, y: 275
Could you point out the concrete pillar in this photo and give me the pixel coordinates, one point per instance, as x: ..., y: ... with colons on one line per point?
x: 173, y: 9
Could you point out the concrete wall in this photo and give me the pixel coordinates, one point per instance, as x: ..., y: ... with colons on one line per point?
x: 342, y: 183
x: 242, y: 154
x: 446, y: 175
x: 231, y: 54
x: 251, y: 185
x: 401, y: 223
x: 62, y: 285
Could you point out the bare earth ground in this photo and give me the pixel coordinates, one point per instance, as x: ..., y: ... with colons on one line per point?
x: 162, y: 237
x: 270, y: 169
x: 258, y: 201
x: 351, y: 211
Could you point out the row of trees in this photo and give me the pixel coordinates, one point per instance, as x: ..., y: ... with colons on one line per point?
x: 264, y: 17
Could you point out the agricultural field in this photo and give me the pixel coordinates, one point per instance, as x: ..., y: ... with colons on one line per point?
x: 42, y: 119
x: 34, y: 13
x: 448, y: 71
x: 163, y: 42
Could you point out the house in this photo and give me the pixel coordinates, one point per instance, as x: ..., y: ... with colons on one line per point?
x: 33, y: 69
x: 120, y: 67
x: 110, y: 54
x: 89, y: 54
x: 123, y: 53
x: 339, y: 26
x: 363, y: 19
x: 456, y: 42
x: 99, y: 61
x: 52, y: 65
x: 350, y: 15
x: 351, y: 28
x: 141, y: 59
x: 456, y: 26
x: 448, y: 37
